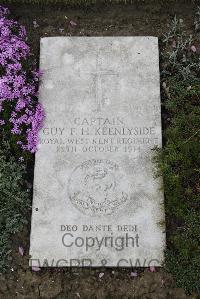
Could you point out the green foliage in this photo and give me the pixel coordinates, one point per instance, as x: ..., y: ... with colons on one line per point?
x: 181, y: 62
x: 14, y: 202
x: 179, y: 160
x: 197, y: 20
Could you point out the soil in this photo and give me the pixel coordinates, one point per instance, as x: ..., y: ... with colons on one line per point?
x: 21, y: 282
x: 101, y: 20
x: 98, y: 20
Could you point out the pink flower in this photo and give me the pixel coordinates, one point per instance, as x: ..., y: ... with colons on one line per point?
x: 4, y: 11
x: 72, y: 23
x: 152, y: 269
x: 193, y: 49
x: 173, y: 43
x: 21, y: 250
x: 133, y: 274
x: 18, y: 86
x: 36, y: 269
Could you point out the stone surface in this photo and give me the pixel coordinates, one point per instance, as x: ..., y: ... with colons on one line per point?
x: 96, y: 201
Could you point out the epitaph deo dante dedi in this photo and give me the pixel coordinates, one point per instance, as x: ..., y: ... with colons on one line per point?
x: 96, y: 199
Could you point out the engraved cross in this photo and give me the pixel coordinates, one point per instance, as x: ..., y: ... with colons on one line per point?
x: 98, y: 76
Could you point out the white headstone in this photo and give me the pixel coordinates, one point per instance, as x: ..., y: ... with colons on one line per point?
x: 96, y: 201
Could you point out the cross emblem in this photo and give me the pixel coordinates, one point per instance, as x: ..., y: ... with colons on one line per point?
x: 98, y: 77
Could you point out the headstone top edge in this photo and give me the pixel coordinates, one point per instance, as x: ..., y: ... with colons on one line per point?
x: 99, y: 37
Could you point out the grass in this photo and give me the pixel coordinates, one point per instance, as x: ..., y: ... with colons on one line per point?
x: 179, y: 160
x: 14, y: 202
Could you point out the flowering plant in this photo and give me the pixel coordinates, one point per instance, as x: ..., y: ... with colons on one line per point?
x: 20, y: 112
